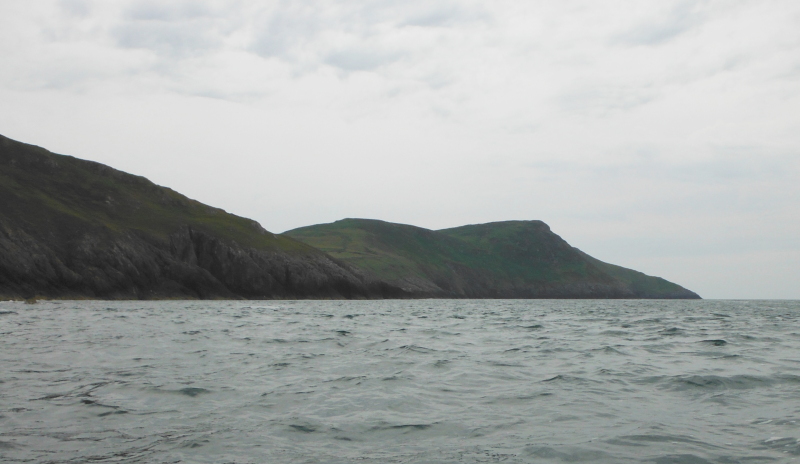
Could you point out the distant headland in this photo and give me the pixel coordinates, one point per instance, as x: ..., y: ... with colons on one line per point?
x: 75, y: 229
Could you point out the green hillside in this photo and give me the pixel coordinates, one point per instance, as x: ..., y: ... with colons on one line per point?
x: 76, y: 228
x: 416, y: 259
x: 40, y: 187
x: 528, y: 250
x: 642, y: 284
x: 513, y: 259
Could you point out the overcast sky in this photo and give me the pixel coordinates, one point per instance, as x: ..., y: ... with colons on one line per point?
x: 659, y: 135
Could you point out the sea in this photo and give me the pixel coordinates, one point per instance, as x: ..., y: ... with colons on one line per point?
x: 400, y: 381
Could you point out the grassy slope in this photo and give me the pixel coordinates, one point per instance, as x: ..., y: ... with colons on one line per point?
x: 44, y: 189
x: 391, y: 251
x: 524, y: 250
x: 521, y: 252
x: 641, y: 283
x: 525, y: 242
x: 528, y: 250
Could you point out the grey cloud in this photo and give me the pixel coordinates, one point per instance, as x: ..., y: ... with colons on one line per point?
x: 680, y: 19
x: 286, y: 29
x: 438, y: 80
x: 792, y: 73
x: 422, y: 13
x: 359, y: 59
x: 166, y: 38
x: 218, y: 94
x: 175, y: 29
x: 295, y: 29
x: 602, y: 99
x: 434, y: 18
x: 80, y: 8
x: 166, y: 11
x: 443, y: 14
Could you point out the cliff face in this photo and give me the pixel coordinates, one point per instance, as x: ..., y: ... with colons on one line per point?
x: 74, y: 228
x: 512, y: 259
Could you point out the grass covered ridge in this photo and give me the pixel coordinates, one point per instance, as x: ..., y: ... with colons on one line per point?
x: 502, y: 259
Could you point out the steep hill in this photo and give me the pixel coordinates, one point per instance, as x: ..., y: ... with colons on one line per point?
x: 76, y: 228
x: 513, y: 259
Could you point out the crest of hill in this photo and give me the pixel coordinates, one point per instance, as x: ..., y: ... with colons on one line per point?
x: 528, y: 245
x: 511, y: 259
x: 76, y: 228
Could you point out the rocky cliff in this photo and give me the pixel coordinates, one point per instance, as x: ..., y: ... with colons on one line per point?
x: 71, y: 228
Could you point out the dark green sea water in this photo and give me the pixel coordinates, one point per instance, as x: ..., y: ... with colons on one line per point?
x: 425, y: 381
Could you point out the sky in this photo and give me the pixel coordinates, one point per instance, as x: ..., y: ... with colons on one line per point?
x: 661, y: 136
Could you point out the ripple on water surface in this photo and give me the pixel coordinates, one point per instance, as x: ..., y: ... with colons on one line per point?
x: 400, y: 381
